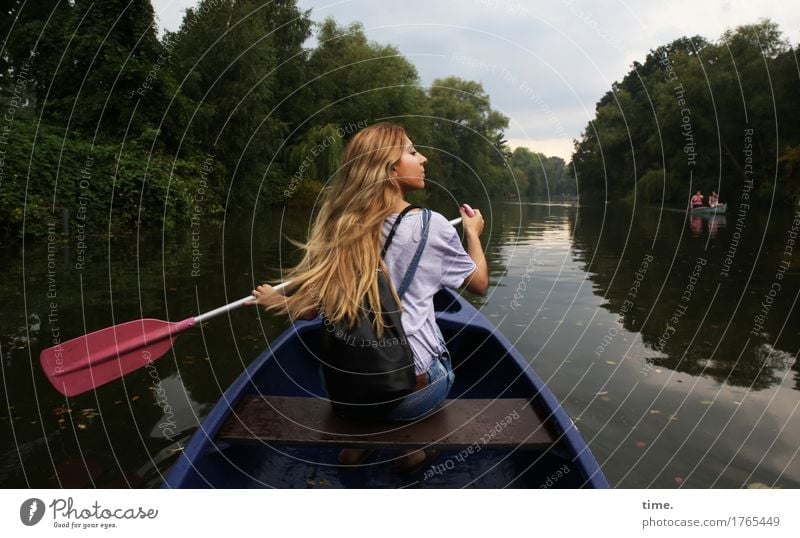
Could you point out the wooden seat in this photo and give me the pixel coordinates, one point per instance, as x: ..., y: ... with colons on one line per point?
x: 500, y: 423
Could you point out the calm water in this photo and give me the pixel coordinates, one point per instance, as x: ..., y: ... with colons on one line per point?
x: 670, y: 340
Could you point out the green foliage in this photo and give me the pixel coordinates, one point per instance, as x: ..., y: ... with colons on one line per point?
x: 682, y: 121
x: 789, y: 172
x: 101, y: 186
x: 656, y: 187
x: 306, y: 194
x: 94, y: 65
x: 540, y: 176
x: 316, y: 155
x: 468, y: 150
x: 353, y: 80
x: 236, y: 62
x: 38, y: 33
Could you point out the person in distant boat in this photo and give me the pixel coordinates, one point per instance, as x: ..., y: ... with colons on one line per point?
x: 380, y: 166
x: 697, y: 200
x: 713, y: 199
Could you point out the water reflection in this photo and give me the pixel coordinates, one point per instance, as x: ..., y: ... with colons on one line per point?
x: 710, y: 225
x: 648, y: 334
x: 697, y: 316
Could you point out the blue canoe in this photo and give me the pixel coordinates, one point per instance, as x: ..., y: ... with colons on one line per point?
x: 502, y: 428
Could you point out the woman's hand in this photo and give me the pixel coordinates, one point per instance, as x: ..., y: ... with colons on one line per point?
x: 265, y: 296
x: 472, y: 225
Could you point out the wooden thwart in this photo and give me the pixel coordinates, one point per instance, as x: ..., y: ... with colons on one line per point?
x: 502, y: 423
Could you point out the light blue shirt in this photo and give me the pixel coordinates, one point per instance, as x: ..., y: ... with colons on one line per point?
x: 444, y: 264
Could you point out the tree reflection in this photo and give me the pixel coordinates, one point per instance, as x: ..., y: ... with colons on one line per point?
x: 695, y: 319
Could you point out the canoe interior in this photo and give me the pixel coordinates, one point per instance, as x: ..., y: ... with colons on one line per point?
x: 245, y: 466
x: 484, y: 369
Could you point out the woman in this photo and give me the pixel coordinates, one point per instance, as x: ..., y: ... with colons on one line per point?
x: 713, y: 199
x: 379, y: 167
x: 697, y: 200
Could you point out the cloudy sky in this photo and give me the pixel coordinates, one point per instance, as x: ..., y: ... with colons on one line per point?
x: 544, y: 63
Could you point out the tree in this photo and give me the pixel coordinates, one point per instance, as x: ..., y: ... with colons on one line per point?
x: 540, y: 175
x: 697, y: 112
x: 235, y: 62
x: 90, y: 61
x: 354, y: 80
x: 35, y: 36
x: 604, y: 158
x: 468, y: 146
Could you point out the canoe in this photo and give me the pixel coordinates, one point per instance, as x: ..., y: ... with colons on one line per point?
x: 501, y: 426
x: 721, y: 208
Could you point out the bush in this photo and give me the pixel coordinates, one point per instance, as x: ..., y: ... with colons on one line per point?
x: 102, y: 186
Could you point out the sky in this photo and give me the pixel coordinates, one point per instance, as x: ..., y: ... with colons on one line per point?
x: 544, y: 64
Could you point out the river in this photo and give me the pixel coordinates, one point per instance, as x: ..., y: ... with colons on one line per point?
x: 670, y: 339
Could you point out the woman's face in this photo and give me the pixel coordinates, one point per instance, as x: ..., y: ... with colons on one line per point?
x: 410, y: 169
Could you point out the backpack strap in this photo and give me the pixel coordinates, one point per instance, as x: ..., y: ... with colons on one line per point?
x: 412, y: 269
x: 394, y: 228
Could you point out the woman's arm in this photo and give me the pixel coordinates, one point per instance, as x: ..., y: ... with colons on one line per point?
x: 478, y: 281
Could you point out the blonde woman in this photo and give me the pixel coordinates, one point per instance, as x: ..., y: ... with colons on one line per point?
x: 379, y: 167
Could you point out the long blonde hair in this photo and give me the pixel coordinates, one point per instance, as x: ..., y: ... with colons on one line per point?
x: 342, y: 254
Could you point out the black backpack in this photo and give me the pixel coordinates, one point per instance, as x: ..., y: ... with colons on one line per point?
x: 366, y: 375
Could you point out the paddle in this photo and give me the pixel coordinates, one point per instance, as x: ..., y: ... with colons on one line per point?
x: 97, y: 358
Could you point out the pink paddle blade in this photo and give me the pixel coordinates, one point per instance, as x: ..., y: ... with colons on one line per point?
x: 94, y: 359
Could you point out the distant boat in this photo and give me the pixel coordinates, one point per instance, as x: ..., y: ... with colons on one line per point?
x: 705, y: 210
x: 503, y: 427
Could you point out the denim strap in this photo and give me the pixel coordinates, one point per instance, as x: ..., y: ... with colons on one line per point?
x: 426, y: 221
